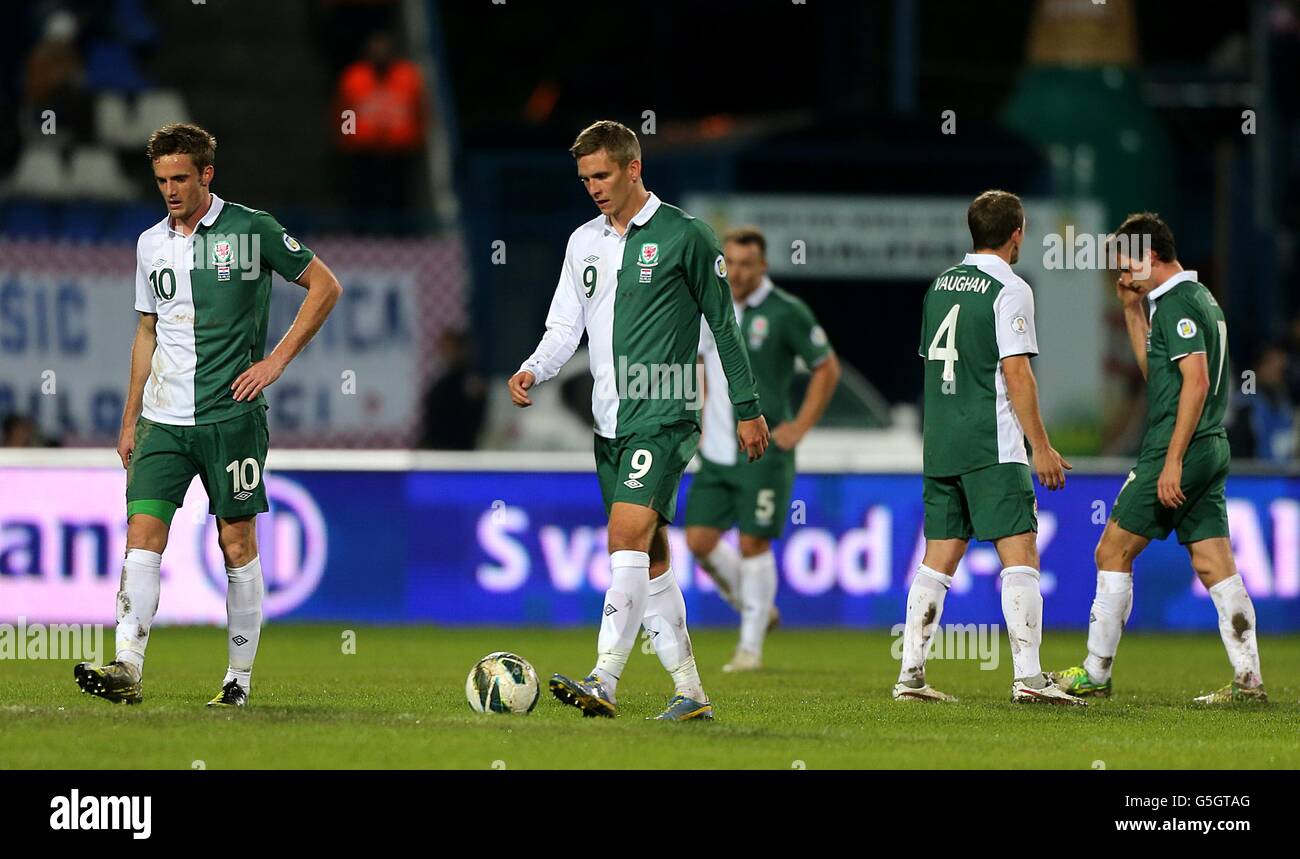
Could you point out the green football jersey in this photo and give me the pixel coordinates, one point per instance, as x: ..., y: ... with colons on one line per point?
x: 1184, y: 319
x: 777, y: 328
x: 639, y: 297
x: 211, y: 291
x: 974, y: 315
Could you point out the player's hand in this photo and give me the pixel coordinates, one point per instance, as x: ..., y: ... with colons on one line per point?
x: 126, y: 444
x: 1051, y: 467
x: 519, y: 384
x: 1169, y: 488
x: 251, y: 382
x: 753, y: 437
x: 1129, y: 297
x: 787, y: 434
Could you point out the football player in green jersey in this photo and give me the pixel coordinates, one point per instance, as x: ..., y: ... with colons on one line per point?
x: 727, y: 490
x: 981, y: 401
x: 1180, y: 339
x: 637, y: 279
x: 194, y: 404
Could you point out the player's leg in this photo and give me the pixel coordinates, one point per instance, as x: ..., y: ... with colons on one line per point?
x: 947, y: 531
x: 1212, y: 559
x: 711, y: 510
x: 665, y: 622
x: 765, y: 488
x: 234, y: 457
x: 157, y: 479
x: 1004, y: 512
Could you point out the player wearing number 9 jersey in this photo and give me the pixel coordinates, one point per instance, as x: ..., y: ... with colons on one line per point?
x: 194, y: 404
x: 1180, y: 339
x: 981, y: 400
x: 637, y: 279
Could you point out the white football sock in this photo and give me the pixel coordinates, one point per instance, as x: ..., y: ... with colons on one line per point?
x: 757, y: 596
x: 137, y: 603
x: 1022, y: 607
x: 665, y: 620
x: 1237, y: 629
x: 243, y: 620
x: 924, y: 608
x: 1111, y: 608
x: 624, y: 607
x: 723, y: 564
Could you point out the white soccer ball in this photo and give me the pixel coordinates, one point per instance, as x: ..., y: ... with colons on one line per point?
x: 502, y: 682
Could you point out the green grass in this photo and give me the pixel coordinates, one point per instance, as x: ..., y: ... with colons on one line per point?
x: 399, y: 702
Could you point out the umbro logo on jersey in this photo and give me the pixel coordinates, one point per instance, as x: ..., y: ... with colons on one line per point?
x: 633, y: 483
x: 160, y: 262
x: 609, y: 609
x: 592, y: 258
x: 243, y: 496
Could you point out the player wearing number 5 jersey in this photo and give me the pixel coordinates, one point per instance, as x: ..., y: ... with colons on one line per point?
x: 981, y: 401
x: 637, y: 279
x: 1180, y: 339
x: 194, y: 405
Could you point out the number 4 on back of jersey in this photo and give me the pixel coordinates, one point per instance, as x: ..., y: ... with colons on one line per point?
x: 947, y: 353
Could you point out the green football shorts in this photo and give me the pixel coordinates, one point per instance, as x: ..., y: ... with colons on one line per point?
x: 645, y: 468
x: 755, y: 495
x: 229, y: 457
x: 1205, y: 512
x: 989, y: 503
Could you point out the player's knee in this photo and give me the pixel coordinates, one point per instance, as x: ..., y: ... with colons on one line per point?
x: 701, y: 541
x: 146, y: 532
x: 752, y: 547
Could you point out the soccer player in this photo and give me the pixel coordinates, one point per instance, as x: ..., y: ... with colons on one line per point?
x: 778, y: 328
x: 1180, y: 340
x: 981, y: 400
x: 637, y: 278
x: 194, y: 404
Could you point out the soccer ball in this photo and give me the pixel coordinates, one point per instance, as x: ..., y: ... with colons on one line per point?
x: 502, y: 682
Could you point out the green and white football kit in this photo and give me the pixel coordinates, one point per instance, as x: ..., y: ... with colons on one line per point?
x: 211, y: 291
x: 1185, y: 319
x: 728, y: 489
x: 639, y: 297
x: 976, y: 472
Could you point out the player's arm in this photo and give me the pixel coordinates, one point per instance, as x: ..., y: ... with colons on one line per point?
x: 706, y: 277
x: 323, y: 291
x: 808, y: 340
x: 565, y: 322
x: 142, y: 349
x: 1135, y: 321
x: 1017, y: 338
x: 1195, y: 370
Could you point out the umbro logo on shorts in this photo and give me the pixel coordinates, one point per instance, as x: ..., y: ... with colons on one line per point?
x: 633, y: 483
x: 243, y: 496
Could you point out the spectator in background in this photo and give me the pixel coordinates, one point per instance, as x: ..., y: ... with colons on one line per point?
x: 1269, y: 411
x: 383, y: 149
x: 456, y: 402
x: 54, y: 80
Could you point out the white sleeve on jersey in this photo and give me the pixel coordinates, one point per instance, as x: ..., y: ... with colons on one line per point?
x: 565, y: 322
x: 707, y: 343
x: 144, y: 297
x: 1013, y: 318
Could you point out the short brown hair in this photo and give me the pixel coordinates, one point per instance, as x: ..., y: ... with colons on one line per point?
x: 614, y: 137
x: 993, y: 217
x: 1143, y: 227
x: 747, y: 235
x: 183, y: 138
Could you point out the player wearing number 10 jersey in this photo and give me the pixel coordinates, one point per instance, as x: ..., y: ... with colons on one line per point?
x: 194, y: 405
x: 981, y: 400
x: 1180, y: 339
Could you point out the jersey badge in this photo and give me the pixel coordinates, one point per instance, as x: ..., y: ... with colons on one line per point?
x: 720, y: 267
x: 1186, y: 329
x: 291, y: 243
x: 649, y: 255
x: 1019, y: 325
x: 757, y: 332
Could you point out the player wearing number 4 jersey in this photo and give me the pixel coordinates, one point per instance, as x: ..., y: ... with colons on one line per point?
x: 1180, y: 340
x: 977, y: 334
x: 637, y: 279
x: 194, y: 405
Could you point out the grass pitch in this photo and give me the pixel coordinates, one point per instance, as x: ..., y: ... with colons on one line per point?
x: 822, y: 703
